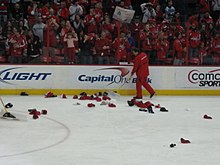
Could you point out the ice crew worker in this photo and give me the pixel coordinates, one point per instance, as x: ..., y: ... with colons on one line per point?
x: 141, y: 69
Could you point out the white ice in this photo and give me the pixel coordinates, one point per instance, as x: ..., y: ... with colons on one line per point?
x: 73, y: 134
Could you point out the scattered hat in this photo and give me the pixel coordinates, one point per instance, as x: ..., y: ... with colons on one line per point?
x: 111, y: 105
x: 163, y: 109
x: 105, y: 94
x: 172, y: 145
x: 104, y: 102
x: 82, y: 98
x: 49, y: 94
x: 32, y: 111
x: 83, y: 94
x: 44, y: 111
x: 207, y: 117
x: 76, y: 103
x: 157, y: 106
x: 75, y: 97
x: 184, y: 141
x: 23, y: 94
x: 63, y: 96
x: 9, y: 105
x: 106, y: 98
x: 130, y: 103
x: 150, y: 109
x: 90, y: 105
x: 98, y: 99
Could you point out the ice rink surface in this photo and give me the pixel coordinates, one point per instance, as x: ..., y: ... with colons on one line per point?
x: 72, y: 134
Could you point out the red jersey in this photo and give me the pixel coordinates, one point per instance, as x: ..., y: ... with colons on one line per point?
x: 141, y: 63
x: 17, y: 45
x: 146, y: 39
x: 216, y: 46
x: 204, y: 6
x: 178, y: 48
x: 64, y: 13
x: 121, y: 47
x: 194, y: 39
x: 102, y: 47
x: 162, y: 47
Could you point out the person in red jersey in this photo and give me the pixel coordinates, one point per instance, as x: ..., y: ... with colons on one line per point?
x: 63, y: 12
x: 102, y: 49
x: 121, y: 46
x: 141, y: 69
x: 17, y: 45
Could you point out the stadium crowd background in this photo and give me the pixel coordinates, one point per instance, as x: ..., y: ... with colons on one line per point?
x: 171, y: 32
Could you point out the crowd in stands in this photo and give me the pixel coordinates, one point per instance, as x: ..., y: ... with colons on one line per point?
x: 171, y: 32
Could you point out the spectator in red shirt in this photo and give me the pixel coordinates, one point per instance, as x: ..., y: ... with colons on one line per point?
x: 98, y: 13
x: 162, y: 47
x: 207, y: 19
x: 146, y: 40
x: 52, y: 15
x: 107, y: 25
x: 206, y: 53
x: 204, y: 6
x: 203, y: 53
x: 179, y: 50
x: 17, y: 45
x: 43, y: 10
x: 32, y: 13
x: 194, y: 41
x: 102, y: 49
x: 121, y: 45
x: 63, y: 12
x: 90, y: 22
x: 136, y: 26
x: 50, y: 37
x: 215, y: 46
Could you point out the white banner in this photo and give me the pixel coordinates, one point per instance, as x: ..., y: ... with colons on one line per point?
x: 105, y: 77
x: 63, y: 77
x: 123, y: 15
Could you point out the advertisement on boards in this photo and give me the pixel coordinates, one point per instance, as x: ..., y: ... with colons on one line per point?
x: 201, y: 77
x: 64, y: 77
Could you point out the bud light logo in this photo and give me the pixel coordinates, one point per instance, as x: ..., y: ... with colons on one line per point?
x: 11, y: 74
x: 205, y: 79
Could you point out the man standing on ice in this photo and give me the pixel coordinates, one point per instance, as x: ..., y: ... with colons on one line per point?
x: 141, y: 69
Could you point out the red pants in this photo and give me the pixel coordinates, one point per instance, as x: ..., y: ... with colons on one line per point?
x: 142, y: 81
x: 71, y: 54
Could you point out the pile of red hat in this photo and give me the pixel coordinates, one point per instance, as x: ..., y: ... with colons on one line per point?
x: 37, y: 113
